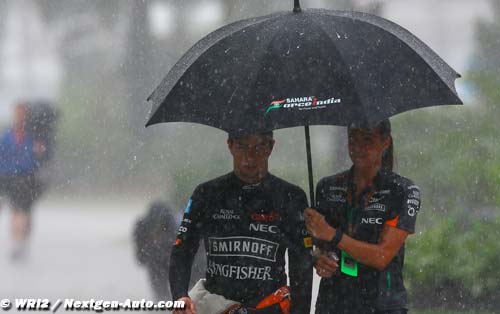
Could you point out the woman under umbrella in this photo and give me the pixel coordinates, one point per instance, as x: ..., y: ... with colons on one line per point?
x: 363, y: 215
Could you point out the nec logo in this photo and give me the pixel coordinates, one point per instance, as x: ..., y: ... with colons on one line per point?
x: 372, y: 221
x: 264, y: 228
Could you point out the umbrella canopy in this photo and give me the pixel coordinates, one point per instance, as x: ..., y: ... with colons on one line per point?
x: 311, y: 67
x: 307, y: 68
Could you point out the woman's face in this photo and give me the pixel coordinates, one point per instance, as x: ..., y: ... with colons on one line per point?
x: 366, y: 147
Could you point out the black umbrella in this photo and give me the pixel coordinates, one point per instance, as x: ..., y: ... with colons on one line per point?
x: 301, y: 68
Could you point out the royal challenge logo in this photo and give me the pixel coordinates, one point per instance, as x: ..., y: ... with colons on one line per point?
x: 302, y: 103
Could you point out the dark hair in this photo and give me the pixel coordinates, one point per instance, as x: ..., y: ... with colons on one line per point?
x: 384, y: 129
x: 234, y: 135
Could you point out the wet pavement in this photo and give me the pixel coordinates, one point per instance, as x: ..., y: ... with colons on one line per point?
x: 80, y: 249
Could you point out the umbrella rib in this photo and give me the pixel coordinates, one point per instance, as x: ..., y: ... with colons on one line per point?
x: 445, y: 73
x: 353, y: 81
x: 427, y: 54
x: 194, y: 52
x: 251, y: 81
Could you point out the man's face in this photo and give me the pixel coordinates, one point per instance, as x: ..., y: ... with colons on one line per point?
x: 250, y: 156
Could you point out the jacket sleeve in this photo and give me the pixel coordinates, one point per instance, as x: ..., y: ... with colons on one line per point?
x: 328, y: 205
x: 329, y: 209
x: 186, y: 245
x: 300, y: 263
x: 404, y: 216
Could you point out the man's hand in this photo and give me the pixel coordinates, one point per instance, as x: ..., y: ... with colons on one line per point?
x: 189, y: 306
x: 325, y: 266
x: 317, y: 225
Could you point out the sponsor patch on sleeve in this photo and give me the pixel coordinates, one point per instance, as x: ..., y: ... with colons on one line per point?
x: 308, y: 242
x: 188, y: 207
x: 393, y: 222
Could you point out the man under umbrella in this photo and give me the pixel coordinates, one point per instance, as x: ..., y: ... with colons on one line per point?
x: 247, y: 218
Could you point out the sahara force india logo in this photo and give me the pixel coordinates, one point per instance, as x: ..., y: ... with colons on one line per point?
x: 302, y: 103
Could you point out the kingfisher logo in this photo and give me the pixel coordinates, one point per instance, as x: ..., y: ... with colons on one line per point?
x: 302, y: 103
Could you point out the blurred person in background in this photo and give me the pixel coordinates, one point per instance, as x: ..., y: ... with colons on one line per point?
x: 154, y: 235
x: 21, y: 156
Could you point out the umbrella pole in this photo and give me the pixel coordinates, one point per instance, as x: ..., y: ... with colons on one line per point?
x: 296, y: 6
x: 309, y: 166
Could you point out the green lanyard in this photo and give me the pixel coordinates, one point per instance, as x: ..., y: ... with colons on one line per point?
x: 348, y: 265
x: 353, y: 212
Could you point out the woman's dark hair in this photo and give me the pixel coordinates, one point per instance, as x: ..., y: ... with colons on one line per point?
x: 384, y: 129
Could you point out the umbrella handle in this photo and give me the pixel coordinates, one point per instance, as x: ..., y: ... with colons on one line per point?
x: 296, y: 6
x: 309, y: 166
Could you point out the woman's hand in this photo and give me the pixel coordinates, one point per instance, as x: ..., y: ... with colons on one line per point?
x: 325, y: 266
x: 317, y: 225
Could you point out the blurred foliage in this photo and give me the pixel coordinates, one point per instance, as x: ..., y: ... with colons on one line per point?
x: 451, y: 152
x: 453, y: 156
x: 454, y: 263
x: 450, y: 155
x: 103, y: 145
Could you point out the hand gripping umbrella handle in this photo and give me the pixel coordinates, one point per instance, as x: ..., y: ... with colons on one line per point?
x: 309, y: 166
